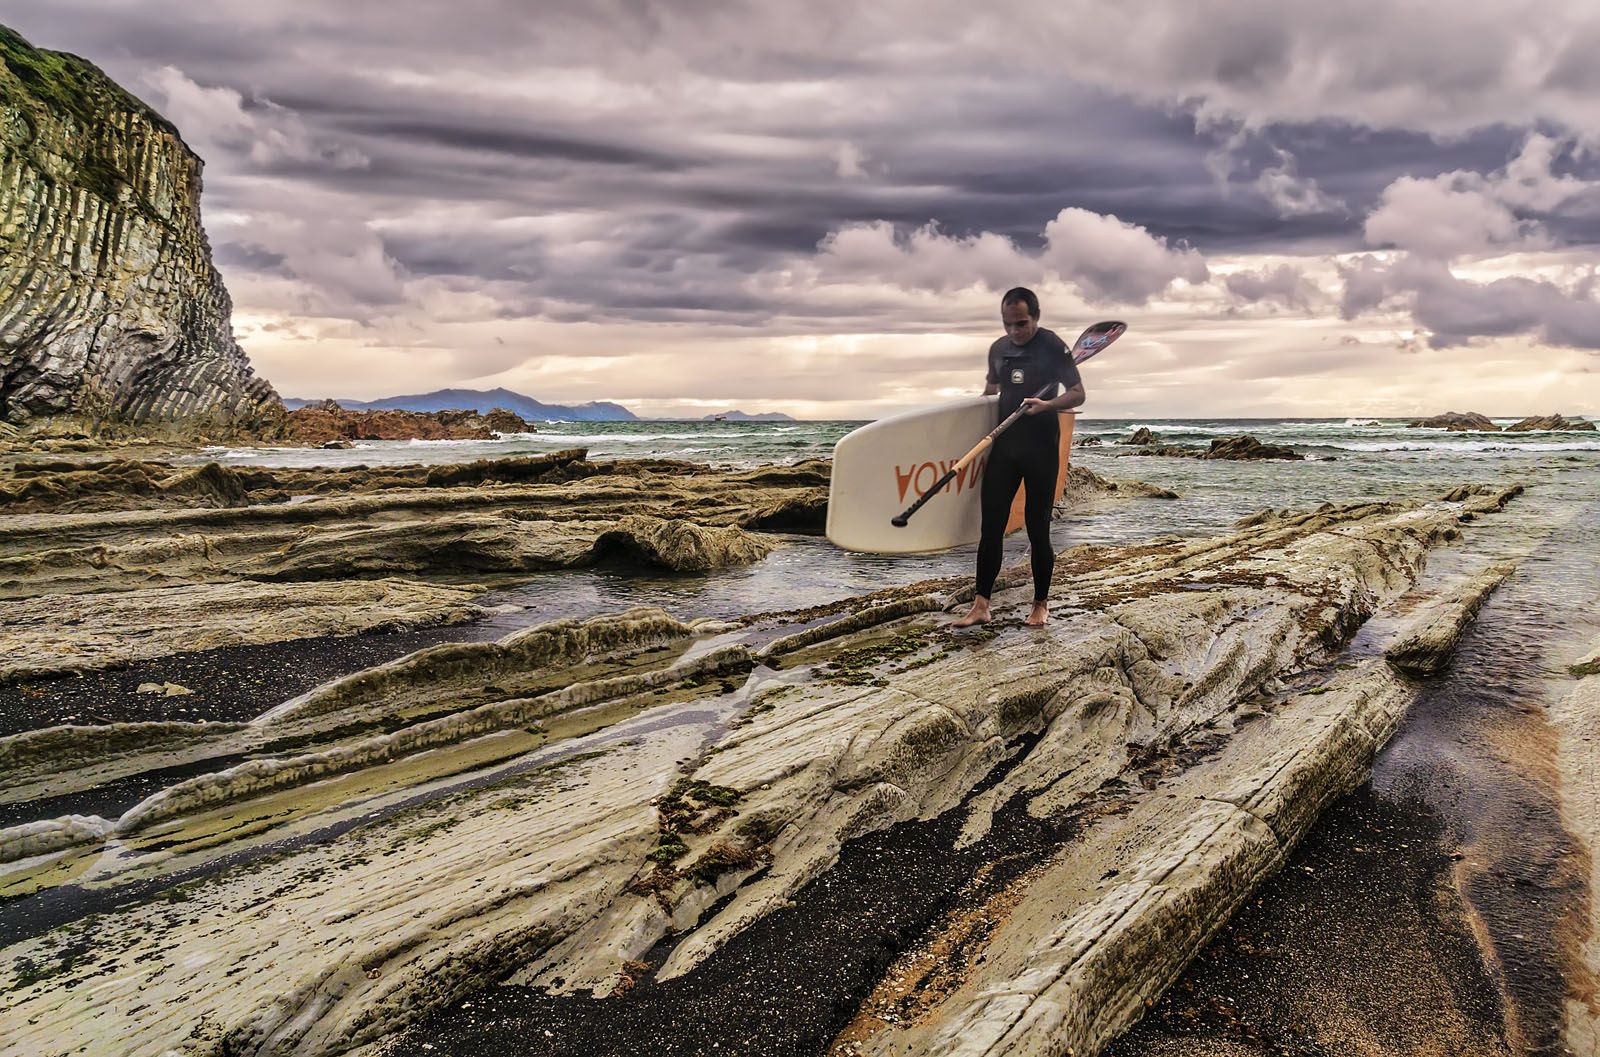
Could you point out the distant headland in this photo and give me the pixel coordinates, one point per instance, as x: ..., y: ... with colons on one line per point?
x: 484, y: 401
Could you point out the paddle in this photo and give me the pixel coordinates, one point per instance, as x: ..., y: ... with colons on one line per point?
x: 1091, y: 341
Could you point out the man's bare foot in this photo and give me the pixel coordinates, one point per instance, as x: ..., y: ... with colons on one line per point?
x: 978, y: 614
x: 1040, y: 614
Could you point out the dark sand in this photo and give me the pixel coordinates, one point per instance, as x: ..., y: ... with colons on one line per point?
x: 786, y: 985
x: 231, y: 684
x: 1359, y: 947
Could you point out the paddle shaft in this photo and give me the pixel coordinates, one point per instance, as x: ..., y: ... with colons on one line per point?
x: 966, y: 460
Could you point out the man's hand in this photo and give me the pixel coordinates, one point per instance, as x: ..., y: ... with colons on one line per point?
x: 1032, y: 405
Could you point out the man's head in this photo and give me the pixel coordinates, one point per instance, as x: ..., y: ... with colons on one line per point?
x: 1019, y: 312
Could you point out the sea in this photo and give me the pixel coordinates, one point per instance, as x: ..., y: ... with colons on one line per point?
x: 1347, y: 459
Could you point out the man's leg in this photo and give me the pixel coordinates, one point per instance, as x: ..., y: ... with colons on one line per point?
x: 1038, y: 507
x: 1000, y: 480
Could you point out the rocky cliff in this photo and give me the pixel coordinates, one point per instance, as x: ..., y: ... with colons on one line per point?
x: 109, y: 305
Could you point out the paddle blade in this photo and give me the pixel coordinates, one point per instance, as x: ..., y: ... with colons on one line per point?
x: 1096, y: 338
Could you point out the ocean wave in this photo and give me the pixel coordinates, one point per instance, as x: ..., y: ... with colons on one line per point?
x: 1272, y: 428
x: 219, y: 451
x: 640, y: 438
x: 1458, y: 446
x: 1353, y: 422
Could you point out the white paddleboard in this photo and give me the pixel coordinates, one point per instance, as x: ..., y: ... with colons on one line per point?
x: 881, y: 468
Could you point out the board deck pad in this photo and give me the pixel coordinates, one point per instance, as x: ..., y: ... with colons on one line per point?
x: 882, y: 467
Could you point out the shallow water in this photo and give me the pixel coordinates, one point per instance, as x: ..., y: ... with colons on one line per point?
x: 1477, y: 752
x: 1346, y: 463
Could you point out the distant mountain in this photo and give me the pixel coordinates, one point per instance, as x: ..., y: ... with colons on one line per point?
x: 483, y: 402
x: 740, y: 416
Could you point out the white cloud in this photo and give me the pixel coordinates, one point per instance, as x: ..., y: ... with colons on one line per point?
x: 1468, y: 217
x: 847, y: 161
x: 1283, y: 285
x: 925, y: 258
x: 1107, y: 260
x: 1291, y: 194
x: 1439, y: 218
x: 217, y: 118
x: 1112, y: 261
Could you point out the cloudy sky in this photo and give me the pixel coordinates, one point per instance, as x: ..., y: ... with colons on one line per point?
x: 1375, y: 207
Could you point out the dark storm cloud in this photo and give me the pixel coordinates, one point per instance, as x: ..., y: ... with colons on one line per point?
x: 526, y: 144
x: 648, y: 158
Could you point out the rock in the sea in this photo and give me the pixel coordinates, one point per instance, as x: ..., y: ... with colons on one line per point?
x: 1238, y: 448
x: 1549, y: 422
x: 321, y: 426
x: 1457, y: 422
x: 1142, y: 435
x: 1086, y: 442
x: 1248, y: 447
x: 1084, y: 485
x: 110, y: 308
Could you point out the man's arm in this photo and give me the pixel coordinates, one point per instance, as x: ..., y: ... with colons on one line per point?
x: 991, y: 389
x: 1071, y: 389
x: 1068, y: 400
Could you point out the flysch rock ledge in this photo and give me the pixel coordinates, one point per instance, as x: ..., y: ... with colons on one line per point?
x: 559, y: 864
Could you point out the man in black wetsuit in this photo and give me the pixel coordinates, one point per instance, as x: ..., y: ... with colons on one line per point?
x: 1020, y: 364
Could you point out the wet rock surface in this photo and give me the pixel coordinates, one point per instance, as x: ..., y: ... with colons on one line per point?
x: 152, y: 572
x: 547, y: 808
x: 1425, y: 647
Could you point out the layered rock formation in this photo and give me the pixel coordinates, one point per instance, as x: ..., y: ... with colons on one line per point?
x: 112, y: 563
x: 110, y: 308
x: 547, y: 512
x: 554, y: 803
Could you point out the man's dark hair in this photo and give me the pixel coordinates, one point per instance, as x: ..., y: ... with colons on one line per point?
x: 1021, y: 295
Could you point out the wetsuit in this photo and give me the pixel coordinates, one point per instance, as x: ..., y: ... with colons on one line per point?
x: 1027, y: 453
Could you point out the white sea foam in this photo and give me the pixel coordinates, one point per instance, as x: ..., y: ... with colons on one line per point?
x: 1460, y: 446
x: 640, y: 438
